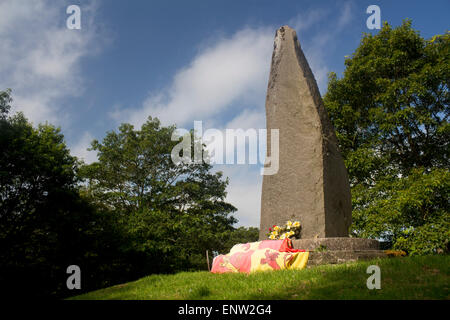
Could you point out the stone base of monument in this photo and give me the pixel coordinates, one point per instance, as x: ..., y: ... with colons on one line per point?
x: 339, y: 250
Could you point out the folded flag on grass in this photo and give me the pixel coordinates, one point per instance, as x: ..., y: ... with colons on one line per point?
x: 261, y: 256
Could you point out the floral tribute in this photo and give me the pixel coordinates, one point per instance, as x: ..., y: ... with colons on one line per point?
x: 290, y: 229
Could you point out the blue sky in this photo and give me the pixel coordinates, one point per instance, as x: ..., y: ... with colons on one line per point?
x: 178, y: 60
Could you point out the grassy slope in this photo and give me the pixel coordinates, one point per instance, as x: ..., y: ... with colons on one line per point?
x: 401, y: 278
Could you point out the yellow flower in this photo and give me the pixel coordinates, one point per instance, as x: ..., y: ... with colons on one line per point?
x: 272, y: 237
x: 283, y: 236
x: 288, y: 224
x: 296, y: 224
x: 274, y: 233
x: 291, y: 233
x: 276, y: 228
x: 395, y: 253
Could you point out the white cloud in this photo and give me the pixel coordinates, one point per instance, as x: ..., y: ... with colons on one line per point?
x: 80, y: 149
x: 322, y: 42
x: 249, y: 118
x: 345, y: 16
x: 232, y: 69
x: 40, y: 58
x: 230, y: 76
x: 244, y: 192
x: 245, y: 187
x: 305, y: 20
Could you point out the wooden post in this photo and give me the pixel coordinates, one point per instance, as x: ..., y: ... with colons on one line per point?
x: 207, y: 260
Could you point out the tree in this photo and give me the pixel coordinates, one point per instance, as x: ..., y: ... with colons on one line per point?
x: 5, y: 103
x: 172, y: 213
x: 390, y: 111
x: 45, y: 226
x: 36, y: 186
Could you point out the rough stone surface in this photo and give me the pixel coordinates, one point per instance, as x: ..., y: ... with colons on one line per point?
x: 332, y: 244
x: 343, y: 256
x: 312, y: 183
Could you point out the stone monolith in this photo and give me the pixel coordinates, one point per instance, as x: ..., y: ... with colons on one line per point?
x: 312, y: 184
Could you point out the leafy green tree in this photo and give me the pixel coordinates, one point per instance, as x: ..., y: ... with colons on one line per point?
x: 36, y: 184
x: 390, y: 111
x: 45, y: 225
x: 5, y: 103
x: 173, y: 213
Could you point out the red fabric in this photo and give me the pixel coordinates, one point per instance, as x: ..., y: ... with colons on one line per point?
x: 271, y: 259
x: 286, y: 246
x: 280, y: 245
x: 242, y: 261
x: 218, y: 265
x: 240, y: 258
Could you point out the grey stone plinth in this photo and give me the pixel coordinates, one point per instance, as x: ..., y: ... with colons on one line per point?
x: 336, y: 244
x: 339, y: 250
x: 343, y: 256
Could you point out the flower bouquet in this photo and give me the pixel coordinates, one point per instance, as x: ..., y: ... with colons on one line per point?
x: 290, y: 229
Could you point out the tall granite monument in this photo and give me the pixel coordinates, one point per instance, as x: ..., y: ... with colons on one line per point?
x: 311, y: 184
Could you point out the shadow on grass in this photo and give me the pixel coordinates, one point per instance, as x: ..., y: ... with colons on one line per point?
x: 401, y: 278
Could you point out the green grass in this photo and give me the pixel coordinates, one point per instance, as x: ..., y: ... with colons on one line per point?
x: 401, y: 278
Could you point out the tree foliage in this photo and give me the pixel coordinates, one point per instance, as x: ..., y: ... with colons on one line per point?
x: 390, y: 111
x: 171, y: 213
x: 44, y: 225
x: 131, y: 213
